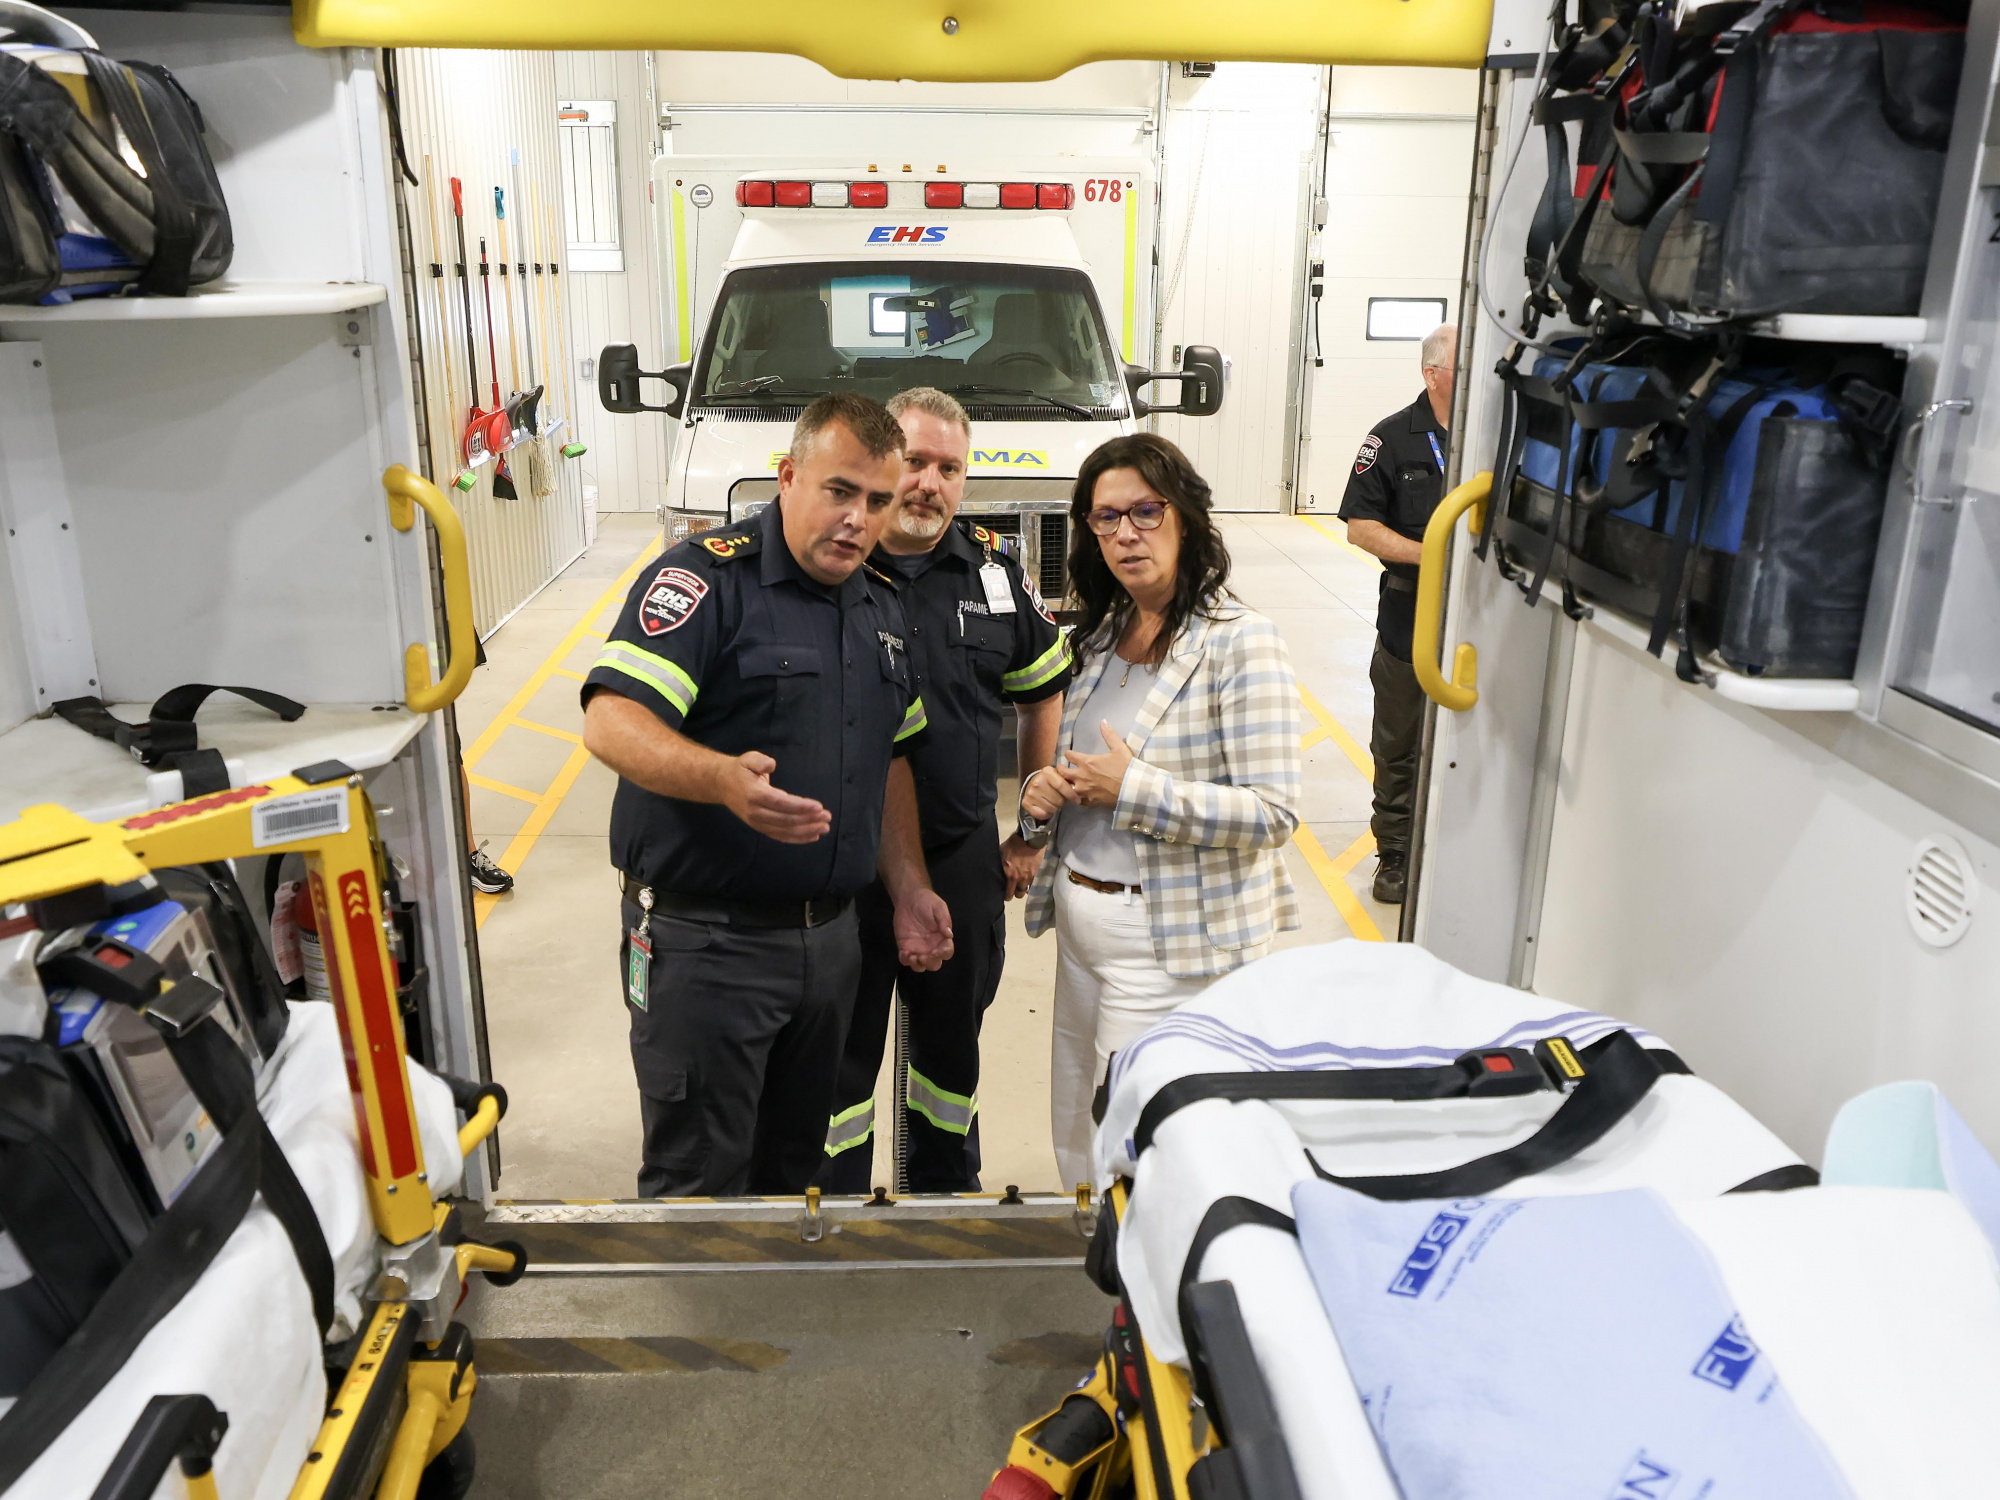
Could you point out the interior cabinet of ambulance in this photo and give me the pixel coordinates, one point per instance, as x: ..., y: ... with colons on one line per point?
x: 192, y: 491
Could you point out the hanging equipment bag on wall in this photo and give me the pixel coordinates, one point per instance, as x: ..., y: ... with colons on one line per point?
x: 1787, y: 162
x: 105, y: 182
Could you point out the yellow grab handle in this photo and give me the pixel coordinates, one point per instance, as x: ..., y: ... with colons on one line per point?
x: 406, y: 492
x: 479, y: 1126
x: 1460, y: 693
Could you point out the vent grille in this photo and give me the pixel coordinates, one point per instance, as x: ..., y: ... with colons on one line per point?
x: 1054, y: 582
x: 1941, y: 892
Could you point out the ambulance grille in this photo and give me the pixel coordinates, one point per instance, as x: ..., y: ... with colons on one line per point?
x: 1941, y: 891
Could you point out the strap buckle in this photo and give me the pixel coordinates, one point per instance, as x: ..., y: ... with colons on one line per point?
x: 1495, y: 1072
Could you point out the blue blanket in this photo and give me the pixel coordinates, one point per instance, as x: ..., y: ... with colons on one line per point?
x: 1572, y: 1348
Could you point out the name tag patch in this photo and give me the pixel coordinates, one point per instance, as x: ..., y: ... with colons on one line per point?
x: 670, y: 599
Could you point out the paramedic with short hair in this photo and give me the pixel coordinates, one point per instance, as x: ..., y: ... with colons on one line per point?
x: 980, y: 640
x: 755, y: 699
x: 1179, y: 781
x: 1397, y: 482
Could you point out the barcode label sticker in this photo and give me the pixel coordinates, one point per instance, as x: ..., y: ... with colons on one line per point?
x: 283, y: 819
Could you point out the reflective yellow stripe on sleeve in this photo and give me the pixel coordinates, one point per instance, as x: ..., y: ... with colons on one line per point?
x: 659, y: 674
x: 1040, y: 670
x: 914, y: 718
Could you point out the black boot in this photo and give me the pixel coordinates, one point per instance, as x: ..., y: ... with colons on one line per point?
x: 1390, y: 875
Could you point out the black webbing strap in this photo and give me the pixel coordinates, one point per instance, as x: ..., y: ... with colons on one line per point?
x: 1560, y: 514
x: 169, y: 737
x: 1254, y: 1460
x: 169, y: 1261
x: 1618, y: 1073
x: 1780, y: 1180
x: 219, y: 1074
x: 1223, y: 1215
x: 169, y: 272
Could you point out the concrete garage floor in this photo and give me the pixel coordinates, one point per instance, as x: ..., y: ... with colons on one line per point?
x: 555, y: 1015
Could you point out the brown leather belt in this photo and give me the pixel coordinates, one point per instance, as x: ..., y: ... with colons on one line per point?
x: 1108, y: 887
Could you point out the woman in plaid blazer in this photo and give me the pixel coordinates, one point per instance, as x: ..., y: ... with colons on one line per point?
x: 1178, y: 780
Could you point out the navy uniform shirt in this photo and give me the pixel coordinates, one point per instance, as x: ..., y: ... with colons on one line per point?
x: 731, y: 642
x: 1398, y: 480
x: 969, y: 658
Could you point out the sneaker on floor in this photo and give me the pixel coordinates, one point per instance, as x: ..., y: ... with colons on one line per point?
x: 494, y: 881
x: 1390, y: 876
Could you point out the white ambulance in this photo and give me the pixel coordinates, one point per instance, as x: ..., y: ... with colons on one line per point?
x: 1021, y: 294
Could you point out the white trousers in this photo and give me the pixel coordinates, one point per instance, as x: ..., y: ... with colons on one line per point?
x: 1109, y: 990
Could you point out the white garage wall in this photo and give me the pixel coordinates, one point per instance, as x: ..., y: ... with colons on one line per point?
x: 1398, y: 174
x: 1238, y: 148
x: 627, y: 462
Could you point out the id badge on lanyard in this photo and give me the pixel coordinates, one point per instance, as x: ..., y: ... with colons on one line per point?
x: 999, y: 597
x: 639, y: 954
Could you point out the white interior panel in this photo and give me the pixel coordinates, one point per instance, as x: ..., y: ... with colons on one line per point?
x: 1740, y: 890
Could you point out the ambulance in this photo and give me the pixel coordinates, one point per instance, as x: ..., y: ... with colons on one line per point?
x: 1025, y: 294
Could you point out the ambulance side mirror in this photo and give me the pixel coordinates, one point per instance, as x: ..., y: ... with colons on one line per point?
x: 618, y: 377
x: 1201, y: 378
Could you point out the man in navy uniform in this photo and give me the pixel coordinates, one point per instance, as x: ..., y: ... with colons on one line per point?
x: 756, y: 700
x: 980, y: 639
x: 1397, y: 482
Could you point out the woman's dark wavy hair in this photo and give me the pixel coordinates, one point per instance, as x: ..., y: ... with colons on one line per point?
x: 1204, y: 560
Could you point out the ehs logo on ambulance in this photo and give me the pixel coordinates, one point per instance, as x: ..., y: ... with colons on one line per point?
x: 906, y: 234
x: 670, y: 599
x: 1010, y: 458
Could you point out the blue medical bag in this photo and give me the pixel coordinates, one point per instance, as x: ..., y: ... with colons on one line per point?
x: 1775, y: 576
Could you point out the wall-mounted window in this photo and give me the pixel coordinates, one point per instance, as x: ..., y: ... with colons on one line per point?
x: 1403, y: 317
x: 588, y: 135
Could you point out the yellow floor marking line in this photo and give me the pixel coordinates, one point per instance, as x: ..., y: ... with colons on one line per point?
x: 1340, y: 541
x: 566, y: 672
x: 549, y: 730
x: 503, y: 788
x: 523, y: 842
x: 1326, y: 727
x: 1333, y: 875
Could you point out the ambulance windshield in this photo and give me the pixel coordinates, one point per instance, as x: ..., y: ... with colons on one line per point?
x: 1023, y: 342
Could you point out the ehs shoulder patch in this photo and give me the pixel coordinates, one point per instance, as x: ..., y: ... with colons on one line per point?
x: 671, y: 597
x: 1365, y: 459
x: 1035, y: 598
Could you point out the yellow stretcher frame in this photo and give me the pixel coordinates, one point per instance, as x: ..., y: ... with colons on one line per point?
x: 50, y: 851
x: 943, y: 41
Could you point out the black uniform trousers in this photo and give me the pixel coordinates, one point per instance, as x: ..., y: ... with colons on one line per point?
x: 736, y: 1051
x: 1395, y: 742
x: 944, y: 1007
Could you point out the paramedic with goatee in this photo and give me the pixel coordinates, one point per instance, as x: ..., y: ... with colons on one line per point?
x: 756, y: 700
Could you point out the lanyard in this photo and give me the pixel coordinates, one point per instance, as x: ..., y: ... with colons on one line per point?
x: 1436, y: 452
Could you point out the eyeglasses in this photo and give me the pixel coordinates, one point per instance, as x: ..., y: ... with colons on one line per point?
x: 1146, y: 515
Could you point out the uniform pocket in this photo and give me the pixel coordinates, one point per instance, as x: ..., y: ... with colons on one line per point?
x: 787, y: 678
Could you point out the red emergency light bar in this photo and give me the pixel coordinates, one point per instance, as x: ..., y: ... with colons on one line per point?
x: 755, y: 193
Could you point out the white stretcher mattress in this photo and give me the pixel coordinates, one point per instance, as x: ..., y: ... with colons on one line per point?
x: 244, y: 1335
x: 1798, y: 1261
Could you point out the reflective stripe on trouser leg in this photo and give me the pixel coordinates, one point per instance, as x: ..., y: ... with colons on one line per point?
x: 944, y: 1109
x: 851, y: 1127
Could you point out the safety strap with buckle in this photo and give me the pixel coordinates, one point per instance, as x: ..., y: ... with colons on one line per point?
x: 168, y: 739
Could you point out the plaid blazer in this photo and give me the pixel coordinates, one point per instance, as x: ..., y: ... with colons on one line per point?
x: 1213, y: 787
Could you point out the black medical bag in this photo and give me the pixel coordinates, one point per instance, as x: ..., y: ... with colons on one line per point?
x: 1764, y: 158
x: 77, y: 217
x: 1732, y: 504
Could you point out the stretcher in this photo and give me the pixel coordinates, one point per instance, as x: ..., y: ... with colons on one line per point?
x: 231, y: 1384
x: 1354, y: 1085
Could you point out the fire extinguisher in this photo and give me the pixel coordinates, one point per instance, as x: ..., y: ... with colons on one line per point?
x: 312, y: 956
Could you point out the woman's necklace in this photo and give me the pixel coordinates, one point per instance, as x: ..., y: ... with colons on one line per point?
x: 1126, y: 676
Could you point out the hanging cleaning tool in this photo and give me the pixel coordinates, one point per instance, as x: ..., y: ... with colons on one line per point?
x: 561, y: 325
x: 497, y: 432
x: 473, y: 445
x: 443, y: 320
x: 522, y: 403
x: 538, y: 469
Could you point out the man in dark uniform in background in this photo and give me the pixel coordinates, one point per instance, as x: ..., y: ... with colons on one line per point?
x: 980, y: 636
x: 1397, y: 482
x: 756, y: 700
